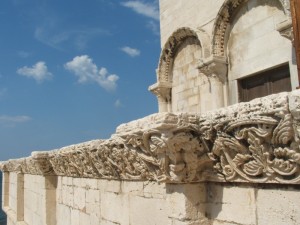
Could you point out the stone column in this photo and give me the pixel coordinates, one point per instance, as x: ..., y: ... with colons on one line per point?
x: 20, y: 197
x: 50, y: 200
x: 214, y: 83
x: 5, y: 190
x: 163, y: 92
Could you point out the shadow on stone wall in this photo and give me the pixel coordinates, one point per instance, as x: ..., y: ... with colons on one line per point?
x: 2, y: 214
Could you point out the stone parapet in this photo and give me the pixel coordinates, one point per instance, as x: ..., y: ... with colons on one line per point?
x: 256, y: 142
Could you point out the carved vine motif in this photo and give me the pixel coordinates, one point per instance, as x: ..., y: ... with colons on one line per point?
x: 248, y: 142
x: 263, y: 151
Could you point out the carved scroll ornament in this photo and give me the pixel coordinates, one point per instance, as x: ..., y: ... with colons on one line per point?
x: 257, y: 142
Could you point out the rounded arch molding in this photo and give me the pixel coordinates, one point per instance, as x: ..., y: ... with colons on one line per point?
x: 227, y: 10
x: 174, y: 41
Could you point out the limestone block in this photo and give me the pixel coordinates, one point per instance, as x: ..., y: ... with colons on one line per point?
x: 107, y: 222
x: 154, y: 190
x: 37, y: 220
x: 94, y: 220
x: 93, y: 202
x: 186, y: 202
x: 115, y: 207
x: 84, y: 218
x: 64, y: 215
x: 28, y: 215
x: 156, y: 211
x: 187, y: 222
x: 110, y: 186
x: 92, y: 196
x: 277, y: 206
x: 79, y: 198
x: 78, y: 182
x: 68, y: 195
x: 218, y: 222
x: 75, y: 215
x: 129, y: 187
x: 90, y: 183
x: 223, y: 201
x: 68, y: 181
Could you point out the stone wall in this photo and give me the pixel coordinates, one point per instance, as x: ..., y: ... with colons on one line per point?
x: 91, y: 202
x: 237, y: 165
x: 233, y: 46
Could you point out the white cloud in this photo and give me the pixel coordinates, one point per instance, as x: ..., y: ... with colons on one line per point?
x: 11, y: 121
x: 23, y: 54
x: 131, y: 51
x: 86, y: 71
x: 154, y: 27
x: 118, y: 103
x: 145, y: 9
x: 58, y: 39
x: 39, y: 72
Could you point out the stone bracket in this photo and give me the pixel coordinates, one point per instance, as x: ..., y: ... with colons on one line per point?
x: 286, y: 29
x: 214, y: 66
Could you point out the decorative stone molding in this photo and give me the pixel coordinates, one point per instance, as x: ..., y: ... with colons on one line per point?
x: 162, y: 90
x: 174, y: 41
x: 222, y: 22
x: 255, y: 142
x: 214, y: 66
x: 286, y: 30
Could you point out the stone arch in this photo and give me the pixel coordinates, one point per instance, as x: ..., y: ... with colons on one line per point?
x: 174, y: 41
x: 225, y: 14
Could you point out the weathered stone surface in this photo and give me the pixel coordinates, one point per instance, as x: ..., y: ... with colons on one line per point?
x: 255, y: 142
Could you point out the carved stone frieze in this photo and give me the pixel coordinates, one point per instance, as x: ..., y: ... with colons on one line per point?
x: 256, y: 142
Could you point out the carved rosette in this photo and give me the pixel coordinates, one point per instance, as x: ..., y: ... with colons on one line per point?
x: 256, y: 142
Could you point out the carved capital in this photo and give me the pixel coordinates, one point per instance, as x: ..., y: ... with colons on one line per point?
x: 163, y: 92
x: 214, y: 67
x: 286, y: 29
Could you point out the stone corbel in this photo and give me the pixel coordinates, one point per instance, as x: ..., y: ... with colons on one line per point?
x: 214, y: 66
x: 42, y: 163
x: 163, y: 92
x: 285, y: 29
x: 13, y: 165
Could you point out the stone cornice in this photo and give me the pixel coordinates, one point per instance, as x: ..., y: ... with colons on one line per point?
x: 255, y: 142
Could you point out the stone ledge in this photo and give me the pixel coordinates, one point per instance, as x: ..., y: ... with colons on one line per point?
x: 256, y: 142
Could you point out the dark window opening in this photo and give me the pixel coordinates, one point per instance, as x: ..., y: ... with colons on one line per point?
x: 265, y: 83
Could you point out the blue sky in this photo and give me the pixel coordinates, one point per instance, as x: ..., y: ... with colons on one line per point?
x: 73, y: 70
